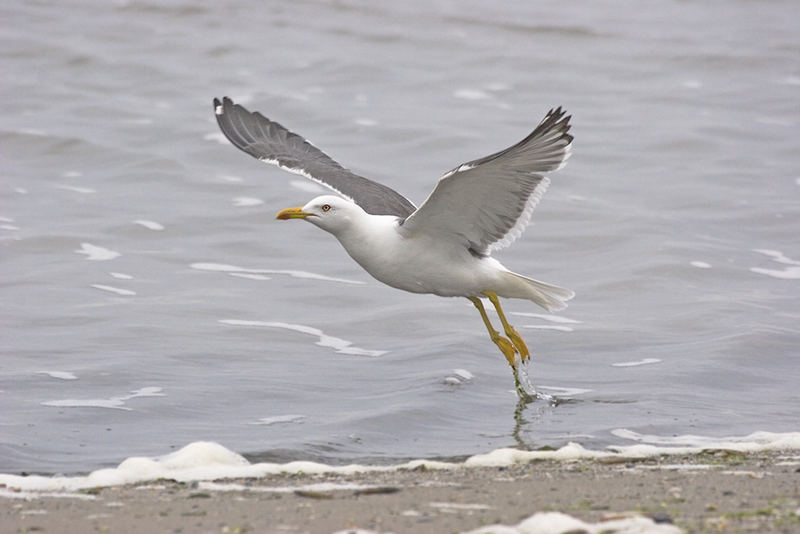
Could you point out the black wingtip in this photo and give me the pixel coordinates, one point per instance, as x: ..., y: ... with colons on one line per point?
x: 220, y: 106
x: 558, y: 118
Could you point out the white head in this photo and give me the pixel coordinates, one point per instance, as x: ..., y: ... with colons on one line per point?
x: 331, y: 213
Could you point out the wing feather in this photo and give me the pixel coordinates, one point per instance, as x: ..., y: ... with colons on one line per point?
x: 486, y: 204
x: 270, y: 142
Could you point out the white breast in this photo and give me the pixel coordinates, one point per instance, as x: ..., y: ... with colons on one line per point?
x: 417, y: 264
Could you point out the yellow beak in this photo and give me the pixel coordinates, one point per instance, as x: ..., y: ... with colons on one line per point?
x: 292, y: 213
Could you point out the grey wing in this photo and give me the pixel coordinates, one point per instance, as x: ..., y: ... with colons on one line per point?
x: 487, y: 203
x: 270, y: 142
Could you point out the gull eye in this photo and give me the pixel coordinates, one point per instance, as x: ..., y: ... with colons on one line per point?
x: 326, y: 207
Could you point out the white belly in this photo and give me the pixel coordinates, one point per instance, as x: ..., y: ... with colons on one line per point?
x: 421, y: 264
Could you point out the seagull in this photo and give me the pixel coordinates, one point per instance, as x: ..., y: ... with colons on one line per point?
x: 442, y: 247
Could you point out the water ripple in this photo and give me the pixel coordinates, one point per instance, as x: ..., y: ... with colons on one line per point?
x: 340, y: 345
x: 116, y: 403
x: 233, y: 270
x: 95, y: 253
x: 789, y: 273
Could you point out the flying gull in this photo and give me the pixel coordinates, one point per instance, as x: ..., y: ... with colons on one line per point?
x: 442, y: 247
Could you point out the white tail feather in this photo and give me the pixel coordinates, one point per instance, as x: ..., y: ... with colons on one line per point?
x: 551, y: 298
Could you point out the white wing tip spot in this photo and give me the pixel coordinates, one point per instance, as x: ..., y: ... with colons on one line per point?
x: 218, y: 110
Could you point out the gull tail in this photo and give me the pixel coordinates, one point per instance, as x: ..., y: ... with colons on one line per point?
x: 551, y: 298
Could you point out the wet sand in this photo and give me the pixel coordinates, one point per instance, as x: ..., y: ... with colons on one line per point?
x: 710, y: 492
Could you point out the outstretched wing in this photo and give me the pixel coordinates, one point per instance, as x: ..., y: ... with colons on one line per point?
x: 487, y: 203
x: 272, y: 143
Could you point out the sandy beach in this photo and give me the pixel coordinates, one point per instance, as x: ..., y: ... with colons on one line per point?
x: 723, y: 491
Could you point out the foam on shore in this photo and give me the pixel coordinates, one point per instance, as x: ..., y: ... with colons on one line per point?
x: 206, y: 461
x: 558, y: 523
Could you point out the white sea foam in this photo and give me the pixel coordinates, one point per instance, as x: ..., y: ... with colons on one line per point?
x: 757, y: 441
x: 96, y: 253
x: 115, y: 290
x: 9, y: 227
x: 58, y: 494
x: 644, y: 361
x: 150, y: 225
x: 224, y: 268
x: 559, y: 523
x: 61, y: 375
x: 121, y: 276
x: 278, y: 419
x: 789, y: 273
x: 208, y: 461
x: 339, y: 345
x: 700, y: 264
x: 198, y: 461
x: 116, y: 403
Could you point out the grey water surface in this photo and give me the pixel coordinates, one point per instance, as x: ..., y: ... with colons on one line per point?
x: 149, y: 298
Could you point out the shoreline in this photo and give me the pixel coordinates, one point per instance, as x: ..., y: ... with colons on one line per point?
x: 716, y: 491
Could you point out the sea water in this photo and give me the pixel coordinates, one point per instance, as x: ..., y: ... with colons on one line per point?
x: 149, y: 299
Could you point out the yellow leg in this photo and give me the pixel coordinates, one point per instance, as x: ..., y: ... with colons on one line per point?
x: 516, y: 339
x: 505, y: 346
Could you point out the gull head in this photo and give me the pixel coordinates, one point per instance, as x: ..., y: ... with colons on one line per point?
x: 332, y: 214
